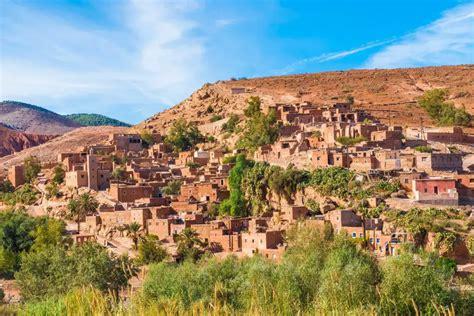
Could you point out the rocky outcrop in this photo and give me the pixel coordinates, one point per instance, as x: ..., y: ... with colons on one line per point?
x: 12, y: 141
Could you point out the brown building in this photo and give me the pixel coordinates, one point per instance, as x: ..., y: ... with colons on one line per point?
x: 16, y: 175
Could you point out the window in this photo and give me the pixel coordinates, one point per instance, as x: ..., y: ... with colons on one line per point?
x: 354, y: 235
x: 435, y: 190
x: 377, y: 240
x: 371, y: 240
x: 406, y: 180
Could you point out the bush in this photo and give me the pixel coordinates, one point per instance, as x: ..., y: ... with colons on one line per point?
x: 58, y: 174
x: 150, y: 251
x: 147, y: 138
x: 231, y: 124
x: 183, y: 135
x: 444, y: 113
x: 172, y: 188
x: 216, y: 117
x: 32, y: 168
x: 424, y: 149
x: 350, y: 141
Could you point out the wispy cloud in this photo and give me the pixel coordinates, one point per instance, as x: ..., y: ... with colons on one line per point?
x: 330, y: 56
x: 448, y: 40
x: 155, y: 57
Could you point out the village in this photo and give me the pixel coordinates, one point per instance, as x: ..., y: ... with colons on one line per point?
x: 164, y: 193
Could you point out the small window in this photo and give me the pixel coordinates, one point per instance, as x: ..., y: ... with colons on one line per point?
x: 354, y: 235
x: 406, y: 180
x: 377, y: 240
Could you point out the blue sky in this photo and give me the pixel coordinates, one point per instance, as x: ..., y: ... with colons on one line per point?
x: 130, y: 59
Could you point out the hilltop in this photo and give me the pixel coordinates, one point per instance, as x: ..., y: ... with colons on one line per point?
x: 90, y: 119
x: 387, y: 94
x: 33, y: 119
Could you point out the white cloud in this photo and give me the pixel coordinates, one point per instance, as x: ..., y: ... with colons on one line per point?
x: 448, y: 40
x: 153, y: 57
x: 330, y: 56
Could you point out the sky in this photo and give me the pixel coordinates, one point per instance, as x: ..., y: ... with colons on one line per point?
x: 130, y: 59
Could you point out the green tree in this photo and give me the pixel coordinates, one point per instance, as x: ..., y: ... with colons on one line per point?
x: 32, y: 168
x: 6, y: 186
x: 58, y: 174
x: 444, y: 113
x: 79, y: 208
x: 231, y: 124
x: 119, y: 173
x: 147, y: 138
x: 183, y: 135
x: 172, y: 188
x: 190, y: 246
x: 150, y: 250
x: 236, y: 205
x: 259, y: 129
x: 134, y: 232
x: 52, y: 233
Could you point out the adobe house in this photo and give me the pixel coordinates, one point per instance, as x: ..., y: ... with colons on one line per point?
x: 126, y: 142
x: 205, y: 191
x: 363, y: 164
x: 16, y: 175
x: 322, y: 158
x: 255, y: 242
x: 429, y: 162
x: 406, y: 177
x: 440, y: 191
x: 388, y: 160
x: 93, y: 173
x: 292, y: 213
x: 129, y: 193
x: 465, y: 186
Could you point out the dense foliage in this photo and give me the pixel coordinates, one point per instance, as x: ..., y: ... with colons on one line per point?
x: 172, y: 188
x: 259, y: 129
x: 20, y: 233
x: 32, y: 168
x: 319, y: 274
x: 183, y: 135
x: 86, y: 119
x: 150, y: 251
x: 26, y: 194
x: 231, y: 125
x: 350, y: 141
x: 444, y: 113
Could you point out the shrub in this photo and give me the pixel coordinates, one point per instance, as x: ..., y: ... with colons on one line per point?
x: 216, y: 117
x: 424, y: 149
x: 150, y: 251
x: 231, y: 124
x: 350, y: 141
x: 58, y: 174
x: 172, y: 188
x: 183, y: 135
x: 444, y: 113
x: 32, y: 167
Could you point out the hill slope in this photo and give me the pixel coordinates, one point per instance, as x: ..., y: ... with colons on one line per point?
x: 88, y: 119
x: 33, y: 119
x: 12, y: 141
x: 73, y: 141
x: 387, y: 94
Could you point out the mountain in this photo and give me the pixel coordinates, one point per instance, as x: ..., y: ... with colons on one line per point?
x: 12, y: 141
x: 33, y: 119
x: 387, y: 94
x: 88, y: 119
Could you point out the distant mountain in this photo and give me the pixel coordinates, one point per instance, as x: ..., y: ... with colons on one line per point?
x: 86, y: 119
x: 33, y: 119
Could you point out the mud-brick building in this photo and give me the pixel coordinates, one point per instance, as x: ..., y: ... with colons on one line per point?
x: 440, y: 191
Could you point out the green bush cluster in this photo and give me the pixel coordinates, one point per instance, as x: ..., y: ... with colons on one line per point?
x: 183, y: 135
x: 26, y: 194
x: 231, y: 125
x: 350, y: 141
x: 86, y: 119
x: 444, y: 113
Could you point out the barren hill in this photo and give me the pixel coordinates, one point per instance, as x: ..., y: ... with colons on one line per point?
x: 34, y: 119
x: 387, y: 94
x: 73, y: 141
x: 12, y: 141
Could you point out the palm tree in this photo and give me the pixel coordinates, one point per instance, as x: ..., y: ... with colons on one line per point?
x: 74, y: 212
x: 81, y: 207
x: 189, y: 244
x: 121, y: 229
x: 134, y: 231
x: 88, y: 204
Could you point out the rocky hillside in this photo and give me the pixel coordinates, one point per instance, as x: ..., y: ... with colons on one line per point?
x: 88, y: 119
x: 33, y: 119
x: 70, y: 142
x: 387, y: 94
x: 12, y: 141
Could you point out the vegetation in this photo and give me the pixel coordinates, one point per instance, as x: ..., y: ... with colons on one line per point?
x: 32, y: 167
x: 183, y: 135
x: 231, y: 125
x: 52, y: 190
x: 441, y: 111
x: 26, y: 194
x: 350, y: 141
x: 424, y: 149
x: 80, y: 207
x: 172, y: 188
x: 192, y: 165
x: 134, y: 232
x: 147, y: 138
x: 119, y: 173
x: 150, y: 251
x: 259, y: 129
x: 190, y: 246
x: 95, y: 120
x: 216, y: 117
x: 58, y: 174
x: 20, y: 234
x: 236, y: 205
x: 318, y: 275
